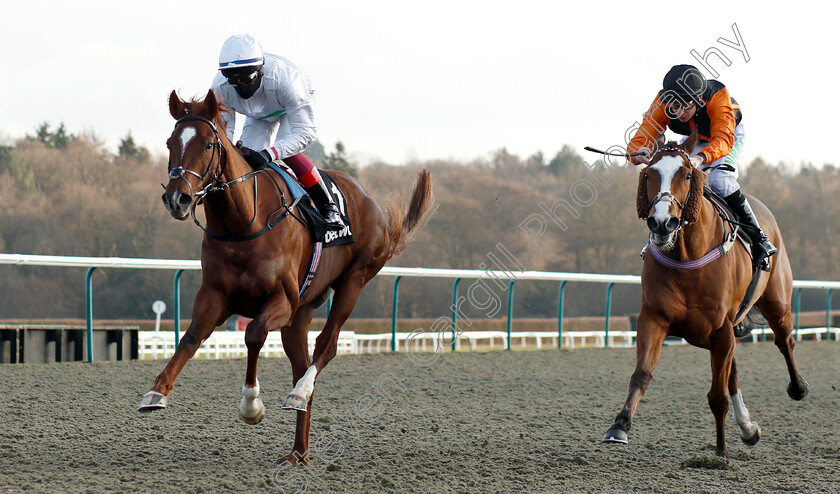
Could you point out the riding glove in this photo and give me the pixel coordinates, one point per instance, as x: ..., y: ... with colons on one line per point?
x: 257, y: 160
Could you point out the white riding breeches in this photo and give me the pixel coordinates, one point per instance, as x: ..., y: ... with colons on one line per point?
x: 723, y: 182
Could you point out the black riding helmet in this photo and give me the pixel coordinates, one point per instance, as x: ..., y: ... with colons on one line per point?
x: 685, y: 81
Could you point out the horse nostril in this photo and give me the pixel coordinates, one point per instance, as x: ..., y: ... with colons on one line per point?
x: 184, y: 201
x: 672, y: 224
x: 651, y: 223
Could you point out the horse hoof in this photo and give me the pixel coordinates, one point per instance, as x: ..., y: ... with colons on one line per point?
x: 615, y: 436
x: 152, y: 401
x: 798, y: 395
x: 751, y: 441
x: 294, y: 402
x: 255, y: 419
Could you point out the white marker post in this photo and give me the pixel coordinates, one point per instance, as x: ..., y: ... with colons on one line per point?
x: 159, y: 308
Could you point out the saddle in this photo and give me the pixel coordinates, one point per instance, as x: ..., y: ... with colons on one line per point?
x: 310, y: 215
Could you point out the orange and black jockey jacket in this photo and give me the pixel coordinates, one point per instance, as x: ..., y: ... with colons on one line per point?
x: 715, y: 121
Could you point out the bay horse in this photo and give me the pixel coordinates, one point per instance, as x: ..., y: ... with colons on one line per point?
x: 260, y: 275
x: 700, y: 305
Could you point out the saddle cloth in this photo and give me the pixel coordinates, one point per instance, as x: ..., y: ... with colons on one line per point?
x: 314, y: 220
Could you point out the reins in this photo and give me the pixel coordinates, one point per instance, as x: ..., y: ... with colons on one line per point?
x: 217, y: 185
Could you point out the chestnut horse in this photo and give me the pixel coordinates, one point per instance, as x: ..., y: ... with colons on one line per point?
x: 700, y: 305
x: 260, y: 275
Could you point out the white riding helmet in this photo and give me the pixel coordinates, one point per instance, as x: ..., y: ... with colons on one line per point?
x: 241, y: 50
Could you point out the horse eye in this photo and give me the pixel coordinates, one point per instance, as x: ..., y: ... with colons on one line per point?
x: 687, y: 177
x: 208, y: 146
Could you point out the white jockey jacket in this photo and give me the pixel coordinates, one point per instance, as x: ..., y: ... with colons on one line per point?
x: 284, y: 103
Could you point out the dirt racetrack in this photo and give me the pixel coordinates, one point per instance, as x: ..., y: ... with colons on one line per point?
x: 469, y: 422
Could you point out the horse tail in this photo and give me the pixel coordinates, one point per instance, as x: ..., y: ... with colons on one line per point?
x: 403, y: 224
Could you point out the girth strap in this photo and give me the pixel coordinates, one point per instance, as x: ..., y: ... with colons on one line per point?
x: 313, y: 268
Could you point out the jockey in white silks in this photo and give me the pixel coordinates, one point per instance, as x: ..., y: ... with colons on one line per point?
x: 276, y: 98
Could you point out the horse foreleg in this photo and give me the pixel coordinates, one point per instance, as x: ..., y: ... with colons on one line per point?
x: 296, y: 346
x: 722, y: 351
x: 651, y: 333
x: 276, y: 314
x: 749, y: 430
x: 208, y: 312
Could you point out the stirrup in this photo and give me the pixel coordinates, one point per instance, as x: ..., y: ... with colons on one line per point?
x: 332, y: 218
x: 764, y: 264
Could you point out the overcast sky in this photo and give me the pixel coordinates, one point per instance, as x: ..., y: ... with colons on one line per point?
x: 399, y: 81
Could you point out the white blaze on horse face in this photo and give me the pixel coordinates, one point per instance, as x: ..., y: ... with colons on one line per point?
x: 187, y: 135
x: 667, y: 168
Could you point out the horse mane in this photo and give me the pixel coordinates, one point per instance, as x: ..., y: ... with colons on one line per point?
x: 641, y: 196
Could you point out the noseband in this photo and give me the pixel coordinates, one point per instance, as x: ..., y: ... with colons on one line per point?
x: 180, y: 172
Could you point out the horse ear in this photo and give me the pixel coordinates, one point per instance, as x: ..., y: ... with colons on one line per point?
x: 641, y: 196
x: 691, y: 213
x: 688, y: 144
x: 211, y: 105
x: 660, y: 143
x: 176, y: 106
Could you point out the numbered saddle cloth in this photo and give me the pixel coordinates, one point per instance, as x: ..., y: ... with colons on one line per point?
x: 310, y: 214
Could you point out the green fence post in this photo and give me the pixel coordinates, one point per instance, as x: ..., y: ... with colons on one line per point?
x: 607, y: 316
x: 796, y: 304
x: 176, y: 306
x: 828, y: 313
x: 455, y: 311
x: 510, y: 311
x: 560, y: 315
x: 394, y: 314
x: 89, y: 312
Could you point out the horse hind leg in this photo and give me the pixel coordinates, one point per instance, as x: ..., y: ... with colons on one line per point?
x: 780, y: 320
x: 749, y: 430
x: 325, y: 345
x: 296, y: 346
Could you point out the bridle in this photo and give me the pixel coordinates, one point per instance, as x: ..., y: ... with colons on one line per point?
x: 180, y: 172
x: 668, y: 196
x: 216, y: 184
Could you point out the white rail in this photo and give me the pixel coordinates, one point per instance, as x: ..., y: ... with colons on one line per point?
x: 190, y: 264
x: 231, y: 344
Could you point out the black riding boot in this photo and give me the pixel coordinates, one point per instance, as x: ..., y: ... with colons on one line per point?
x: 763, y: 248
x: 323, y: 201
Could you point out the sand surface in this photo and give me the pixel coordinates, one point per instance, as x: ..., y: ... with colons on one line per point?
x: 469, y: 422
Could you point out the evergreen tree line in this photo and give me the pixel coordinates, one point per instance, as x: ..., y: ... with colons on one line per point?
x: 62, y: 194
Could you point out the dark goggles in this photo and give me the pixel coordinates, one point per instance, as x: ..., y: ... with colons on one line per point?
x: 242, y: 76
x: 676, y: 106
